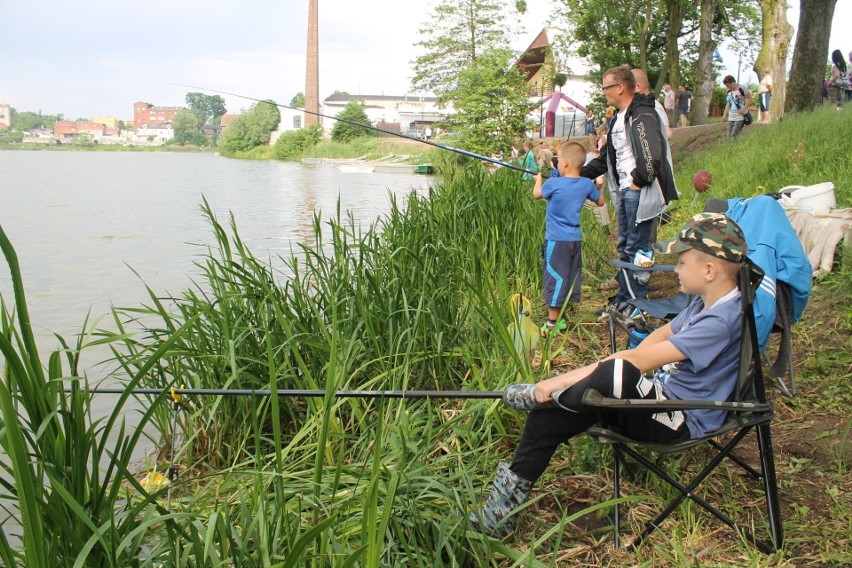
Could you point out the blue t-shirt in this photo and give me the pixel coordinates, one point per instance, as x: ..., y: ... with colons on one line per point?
x: 565, y: 197
x: 710, y: 339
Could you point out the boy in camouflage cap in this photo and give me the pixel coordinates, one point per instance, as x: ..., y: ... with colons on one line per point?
x: 696, y: 357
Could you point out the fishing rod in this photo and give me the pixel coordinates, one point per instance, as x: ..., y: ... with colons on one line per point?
x: 301, y: 393
x: 370, y: 127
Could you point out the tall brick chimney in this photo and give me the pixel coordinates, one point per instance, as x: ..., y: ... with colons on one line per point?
x: 312, y: 72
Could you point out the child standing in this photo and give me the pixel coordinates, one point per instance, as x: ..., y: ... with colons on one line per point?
x: 561, y: 252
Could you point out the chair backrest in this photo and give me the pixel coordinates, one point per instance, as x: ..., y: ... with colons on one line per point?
x: 750, y: 381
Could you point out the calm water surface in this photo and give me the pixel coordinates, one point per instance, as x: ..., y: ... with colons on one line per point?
x: 83, y: 222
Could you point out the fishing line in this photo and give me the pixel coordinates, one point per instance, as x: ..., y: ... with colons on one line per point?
x: 370, y: 127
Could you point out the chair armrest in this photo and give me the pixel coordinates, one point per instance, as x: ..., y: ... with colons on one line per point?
x: 593, y: 397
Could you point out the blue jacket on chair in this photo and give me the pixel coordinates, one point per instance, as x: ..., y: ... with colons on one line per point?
x: 774, y: 246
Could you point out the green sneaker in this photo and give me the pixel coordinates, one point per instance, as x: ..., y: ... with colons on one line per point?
x: 560, y: 325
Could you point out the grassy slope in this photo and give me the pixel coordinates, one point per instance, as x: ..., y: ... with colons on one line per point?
x: 811, y: 432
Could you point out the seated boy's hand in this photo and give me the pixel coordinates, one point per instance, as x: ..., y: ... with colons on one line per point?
x: 544, y: 389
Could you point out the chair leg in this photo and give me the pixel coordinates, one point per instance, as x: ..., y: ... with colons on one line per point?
x: 770, y: 485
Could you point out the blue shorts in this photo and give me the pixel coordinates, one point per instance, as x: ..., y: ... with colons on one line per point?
x: 682, y: 111
x: 764, y: 101
x: 563, y: 272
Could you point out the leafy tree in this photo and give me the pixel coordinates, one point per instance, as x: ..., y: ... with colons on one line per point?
x: 298, y: 100
x: 354, y: 112
x: 26, y: 120
x: 455, y: 36
x: 777, y: 33
x: 250, y: 129
x: 293, y: 143
x: 206, y: 107
x: 809, y: 56
x: 490, y: 104
x: 618, y: 32
x: 187, y: 126
x: 11, y: 137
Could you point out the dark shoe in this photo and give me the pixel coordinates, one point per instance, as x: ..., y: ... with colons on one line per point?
x: 508, y: 492
x: 611, y: 284
x: 610, y: 306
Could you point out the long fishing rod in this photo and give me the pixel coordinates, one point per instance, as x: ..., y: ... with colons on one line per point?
x: 301, y: 393
x: 370, y: 127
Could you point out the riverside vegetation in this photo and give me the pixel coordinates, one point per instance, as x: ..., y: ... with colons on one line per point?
x: 420, y: 300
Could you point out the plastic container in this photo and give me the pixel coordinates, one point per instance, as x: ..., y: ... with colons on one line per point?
x: 817, y: 197
x: 635, y: 335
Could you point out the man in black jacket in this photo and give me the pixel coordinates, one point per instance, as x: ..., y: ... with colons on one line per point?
x: 634, y: 159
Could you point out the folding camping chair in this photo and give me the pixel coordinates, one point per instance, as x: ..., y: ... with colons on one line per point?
x: 748, y: 410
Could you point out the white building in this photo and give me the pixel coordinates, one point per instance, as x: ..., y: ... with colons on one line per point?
x: 406, y: 112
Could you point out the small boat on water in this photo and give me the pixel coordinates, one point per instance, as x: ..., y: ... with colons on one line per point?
x: 424, y: 169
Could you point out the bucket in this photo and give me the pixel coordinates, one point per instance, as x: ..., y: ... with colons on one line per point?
x: 817, y: 197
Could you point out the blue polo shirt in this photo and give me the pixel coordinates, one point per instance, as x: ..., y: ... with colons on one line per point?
x: 710, y: 339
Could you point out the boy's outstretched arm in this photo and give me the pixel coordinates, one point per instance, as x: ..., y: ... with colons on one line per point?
x: 537, y: 187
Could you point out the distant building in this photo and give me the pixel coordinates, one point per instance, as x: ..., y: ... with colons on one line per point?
x: 536, y: 64
x: 291, y: 119
x: 411, y: 112
x: 5, y: 115
x: 66, y: 130
x: 146, y: 114
x: 108, y: 121
x: 226, y: 120
x: 152, y: 135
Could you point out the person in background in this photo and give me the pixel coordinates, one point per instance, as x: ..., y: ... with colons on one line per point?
x: 700, y: 348
x: 669, y: 104
x: 839, y: 81
x: 603, y: 131
x: 528, y: 161
x: 684, y: 104
x: 601, y: 212
x: 643, y: 85
x: 590, y: 121
x: 738, y: 102
x: 562, y: 257
x: 545, y: 157
x: 635, y: 162
x: 764, y: 95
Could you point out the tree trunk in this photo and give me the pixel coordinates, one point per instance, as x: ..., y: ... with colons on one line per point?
x: 704, y: 66
x: 670, y: 68
x: 777, y: 33
x: 804, y: 89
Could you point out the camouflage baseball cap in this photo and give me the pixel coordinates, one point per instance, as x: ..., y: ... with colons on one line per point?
x: 712, y: 233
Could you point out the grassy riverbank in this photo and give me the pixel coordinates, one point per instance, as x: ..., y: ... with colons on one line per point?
x: 419, y: 301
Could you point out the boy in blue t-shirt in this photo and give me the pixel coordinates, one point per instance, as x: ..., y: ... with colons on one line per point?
x: 562, y: 251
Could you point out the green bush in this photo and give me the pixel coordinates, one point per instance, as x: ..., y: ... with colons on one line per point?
x: 346, y: 131
x: 293, y: 143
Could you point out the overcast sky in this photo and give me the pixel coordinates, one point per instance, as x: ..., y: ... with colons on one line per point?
x: 87, y: 58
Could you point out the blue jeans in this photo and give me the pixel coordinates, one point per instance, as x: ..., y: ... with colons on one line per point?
x: 631, y: 238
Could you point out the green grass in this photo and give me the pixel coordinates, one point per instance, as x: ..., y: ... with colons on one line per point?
x: 421, y: 300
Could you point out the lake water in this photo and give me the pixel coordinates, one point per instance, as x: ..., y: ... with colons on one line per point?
x: 83, y: 222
